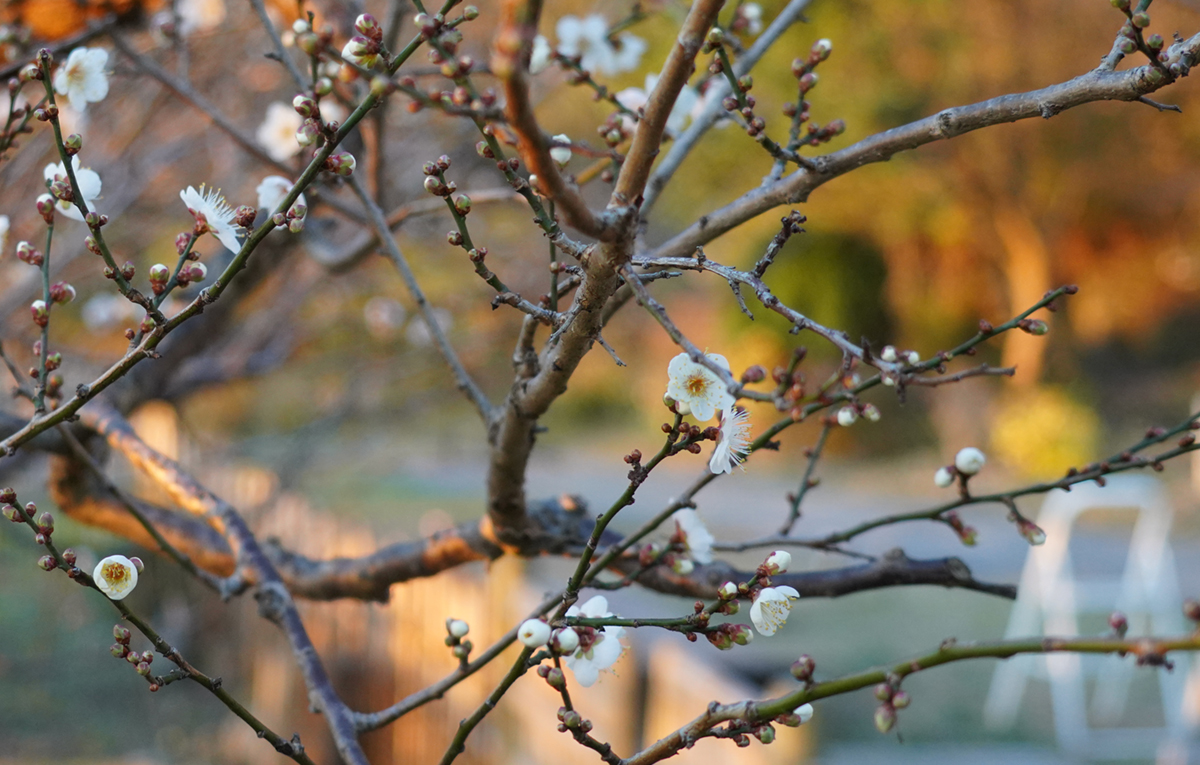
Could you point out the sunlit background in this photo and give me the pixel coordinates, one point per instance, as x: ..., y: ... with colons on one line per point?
x: 348, y: 434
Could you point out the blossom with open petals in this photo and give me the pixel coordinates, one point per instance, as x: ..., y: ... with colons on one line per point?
x: 116, y: 576
x: 698, y: 388
x: 88, y: 181
x: 733, y: 442
x: 82, y: 78
x: 696, y: 537
x: 211, y: 210
x: 588, y: 38
x: 771, y: 608
x: 804, y: 712
x: 598, y: 649
x: 277, y: 133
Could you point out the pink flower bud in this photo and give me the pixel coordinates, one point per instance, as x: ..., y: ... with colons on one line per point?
x: 369, y: 27
x: 41, y: 314
x: 304, y: 106
x: 61, y: 292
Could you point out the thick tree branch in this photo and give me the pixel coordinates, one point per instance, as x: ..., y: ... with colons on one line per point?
x: 1098, y: 85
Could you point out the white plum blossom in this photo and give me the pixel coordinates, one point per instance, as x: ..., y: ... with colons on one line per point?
x: 888, y: 353
x: 598, y: 649
x: 696, y: 537
x: 943, y: 477
x: 771, y: 608
x: 539, y: 59
x: 969, y: 461
x: 116, y: 576
x: 533, y: 633
x: 82, y: 78
x: 273, y: 190
x: 588, y: 38
x: 804, y: 712
x: 210, y: 208
x: 697, y: 387
x: 733, y: 442
x: 913, y: 358
x: 688, y: 105
x: 88, y: 181
x: 277, y: 133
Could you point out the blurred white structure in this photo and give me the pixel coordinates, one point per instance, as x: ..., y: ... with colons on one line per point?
x: 1051, y: 600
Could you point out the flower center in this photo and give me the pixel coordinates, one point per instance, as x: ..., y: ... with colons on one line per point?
x: 697, y: 385
x: 775, y: 612
x: 588, y: 637
x: 114, y: 574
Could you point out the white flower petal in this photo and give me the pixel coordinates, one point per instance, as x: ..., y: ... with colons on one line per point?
x: 115, y: 576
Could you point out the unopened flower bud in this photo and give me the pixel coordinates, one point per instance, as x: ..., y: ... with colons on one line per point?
x: 534, y: 633
x: 802, y: 668
x: 727, y: 591
x: 119, y: 651
x: 1191, y: 609
x: 143, y: 669
x: 462, y: 204
x: 901, y: 699
x: 368, y: 26
x: 885, y: 718
x: 1119, y: 624
x: 822, y: 48
x: 41, y: 314
x: 1031, y: 531
x: 341, y: 164
x: 847, y: 416
x: 804, y: 712
x: 45, y: 207
x: 943, y: 477
x: 45, y: 523
x: 12, y: 513
x: 970, y: 460
x: 61, y: 292
x: 306, y: 134
x: 46, y: 563
x: 778, y: 562
x: 305, y: 106
x: 122, y: 634
x: 871, y: 413
x: 1034, y: 326
x: 457, y: 628
x: 564, y: 641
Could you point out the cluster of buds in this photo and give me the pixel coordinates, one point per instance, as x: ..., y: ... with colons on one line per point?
x: 967, y: 463
x: 27, y: 253
x: 691, y: 435
x: 293, y: 219
x: 456, y: 630
x: 436, y: 183
x: 120, y: 650
x: 848, y: 415
x: 726, y: 636
x: 806, y: 80
x: 891, y: 698
x: 10, y: 509
x: 570, y: 720
x: 790, y: 381
x: 1131, y: 39
x: 966, y: 534
x: 365, y: 49
x: 893, y: 356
